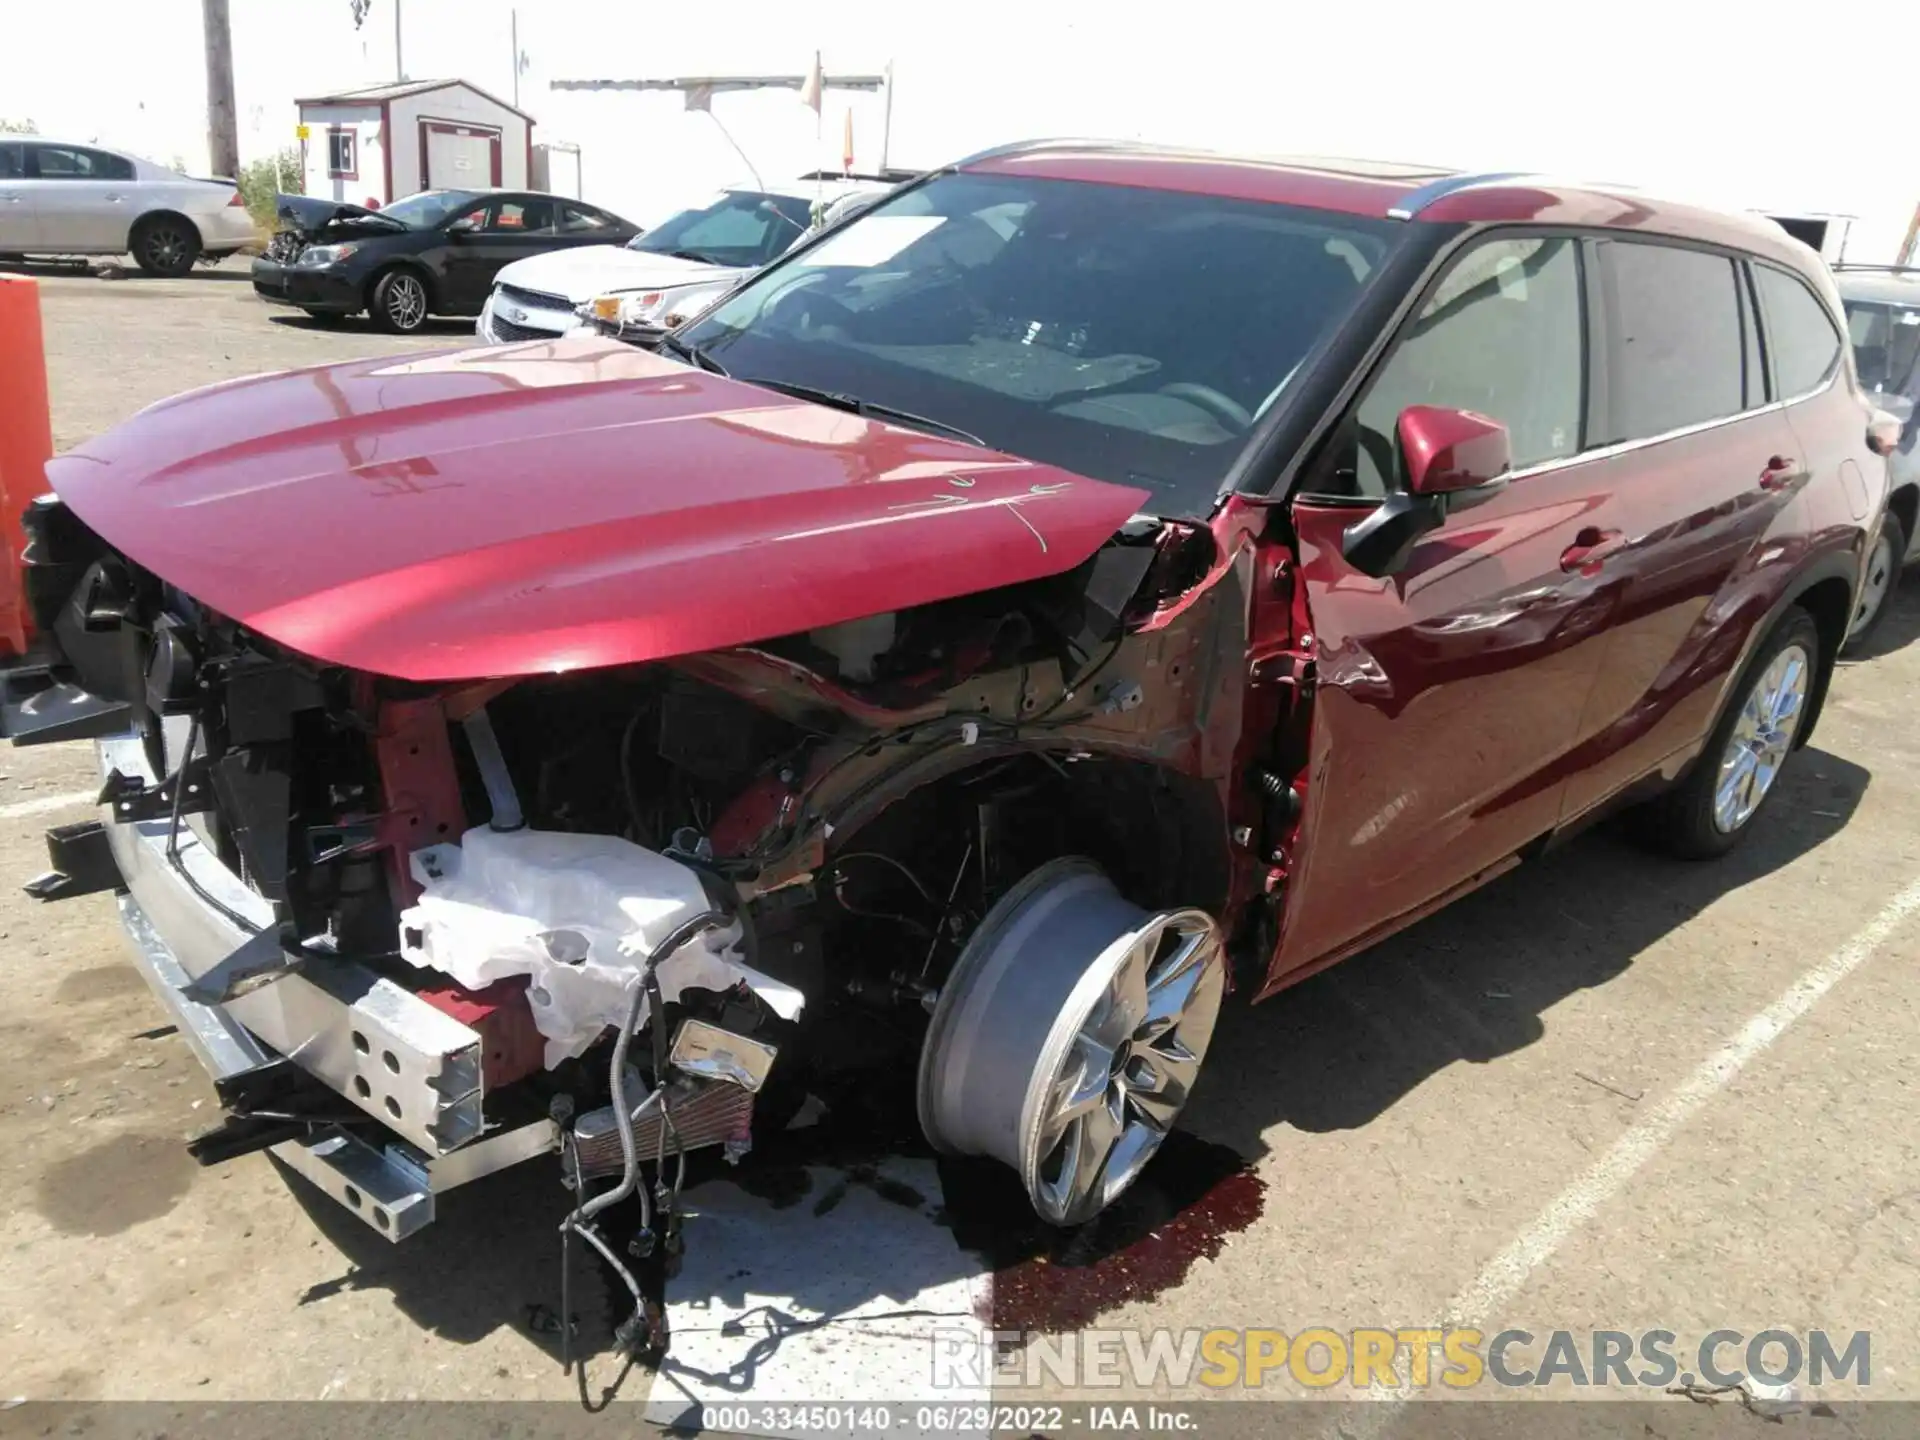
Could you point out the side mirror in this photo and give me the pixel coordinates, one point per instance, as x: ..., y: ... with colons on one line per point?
x: 1451, y: 459
x: 1443, y: 452
x: 465, y: 225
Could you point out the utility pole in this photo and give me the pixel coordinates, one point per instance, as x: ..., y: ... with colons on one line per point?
x: 514, y: 21
x: 399, y: 62
x: 223, y: 126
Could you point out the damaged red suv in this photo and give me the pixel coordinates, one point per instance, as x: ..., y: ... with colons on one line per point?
x: 1094, y: 580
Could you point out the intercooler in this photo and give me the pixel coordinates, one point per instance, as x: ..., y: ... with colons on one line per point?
x: 702, y: 1112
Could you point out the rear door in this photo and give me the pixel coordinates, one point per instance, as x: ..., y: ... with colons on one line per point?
x: 510, y: 228
x: 82, y: 199
x: 583, y: 225
x: 1706, y: 464
x: 1449, y: 694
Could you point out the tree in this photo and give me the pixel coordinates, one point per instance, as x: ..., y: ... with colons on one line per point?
x: 261, y: 180
x: 18, y: 127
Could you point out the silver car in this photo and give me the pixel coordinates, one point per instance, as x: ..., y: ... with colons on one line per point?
x: 59, y: 198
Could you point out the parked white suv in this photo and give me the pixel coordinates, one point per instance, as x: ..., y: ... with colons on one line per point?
x: 60, y: 198
x: 671, y: 272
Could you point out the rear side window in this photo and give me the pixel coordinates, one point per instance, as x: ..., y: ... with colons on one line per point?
x: 1501, y: 335
x: 1678, y: 355
x: 12, y: 162
x: 575, y: 219
x: 70, y: 162
x: 1800, y: 333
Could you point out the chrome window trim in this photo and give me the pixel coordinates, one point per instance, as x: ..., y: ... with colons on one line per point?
x: 1622, y: 447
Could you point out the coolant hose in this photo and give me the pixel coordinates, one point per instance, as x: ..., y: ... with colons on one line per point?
x: 622, y: 1114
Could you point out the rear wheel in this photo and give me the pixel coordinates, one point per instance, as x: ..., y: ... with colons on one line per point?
x: 399, y: 302
x: 1877, y: 584
x: 165, y: 245
x: 1710, y: 811
x: 1068, y: 1037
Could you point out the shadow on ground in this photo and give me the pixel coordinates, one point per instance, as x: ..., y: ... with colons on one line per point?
x: 1471, y: 983
x: 1474, y: 981
x: 110, y: 268
x: 359, y: 324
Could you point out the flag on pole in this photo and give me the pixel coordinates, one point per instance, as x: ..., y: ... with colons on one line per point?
x: 812, y: 88
x: 846, y: 144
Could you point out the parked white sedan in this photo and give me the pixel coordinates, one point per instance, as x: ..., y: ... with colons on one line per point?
x: 59, y: 198
x: 671, y: 272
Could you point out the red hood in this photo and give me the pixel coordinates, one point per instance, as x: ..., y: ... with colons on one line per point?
x: 557, y: 506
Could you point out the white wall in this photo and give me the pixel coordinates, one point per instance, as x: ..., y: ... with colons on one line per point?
x: 364, y: 121
x: 1768, y: 107
x: 455, y: 103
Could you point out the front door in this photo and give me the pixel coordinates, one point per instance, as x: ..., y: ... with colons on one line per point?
x: 507, y: 229
x: 1449, y: 694
x: 81, y: 199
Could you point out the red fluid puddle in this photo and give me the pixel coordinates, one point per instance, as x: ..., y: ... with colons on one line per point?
x: 1182, y: 1209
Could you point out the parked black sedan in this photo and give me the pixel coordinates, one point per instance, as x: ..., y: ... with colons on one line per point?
x: 434, y: 253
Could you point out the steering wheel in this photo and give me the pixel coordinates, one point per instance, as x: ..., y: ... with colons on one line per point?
x: 1221, y: 407
x: 801, y: 310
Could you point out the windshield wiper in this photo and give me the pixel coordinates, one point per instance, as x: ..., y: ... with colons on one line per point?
x: 693, y: 255
x: 867, y: 409
x: 693, y: 353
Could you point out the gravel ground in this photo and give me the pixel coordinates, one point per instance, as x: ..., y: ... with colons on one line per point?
x: 1478, y: 1113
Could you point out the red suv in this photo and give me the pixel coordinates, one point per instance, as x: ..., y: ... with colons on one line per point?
x: 1094, y: 579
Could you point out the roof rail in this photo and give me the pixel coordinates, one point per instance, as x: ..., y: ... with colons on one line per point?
x: 1414, y: 201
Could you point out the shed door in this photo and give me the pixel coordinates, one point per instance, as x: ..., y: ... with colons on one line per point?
x: 458, y: 157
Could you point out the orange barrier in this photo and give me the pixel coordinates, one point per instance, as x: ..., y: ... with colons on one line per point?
x: 26, y: 442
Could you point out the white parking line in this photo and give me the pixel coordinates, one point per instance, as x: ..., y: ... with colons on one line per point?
x: 1503, y: 1276
x: 41, y: 804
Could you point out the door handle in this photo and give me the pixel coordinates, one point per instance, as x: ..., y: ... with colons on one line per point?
x: 1590, y: 550
x: 1781, y: 472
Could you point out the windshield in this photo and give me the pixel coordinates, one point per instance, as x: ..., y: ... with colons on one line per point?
x: 742, y: 229
x: 428, y: 208
x: 1886, y: 346
x: 1126, y: 334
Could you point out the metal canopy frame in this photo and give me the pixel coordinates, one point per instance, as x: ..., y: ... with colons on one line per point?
x: 705, y: 87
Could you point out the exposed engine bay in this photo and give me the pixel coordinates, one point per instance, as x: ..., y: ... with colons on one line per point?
x: 993, y: 844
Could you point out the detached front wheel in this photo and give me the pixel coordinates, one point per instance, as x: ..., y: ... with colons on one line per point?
x: 1069, y: 1035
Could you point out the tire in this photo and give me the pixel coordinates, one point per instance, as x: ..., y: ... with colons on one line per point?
x: 1711, y: 810
x: 165, y: 245
x: 1068, y: 1035
x: 1876, y: 589
x: 399, y: 303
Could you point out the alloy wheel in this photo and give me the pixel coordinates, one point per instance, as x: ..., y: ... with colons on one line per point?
x: 406, y: 302
x: 166, y: 247
x: 1761, y: 738
x: 1068, y: 1038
